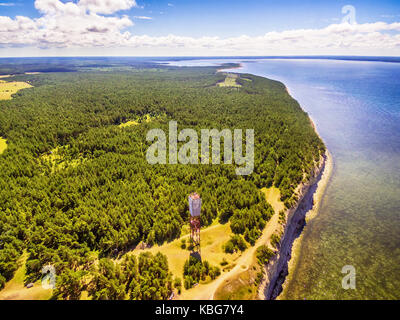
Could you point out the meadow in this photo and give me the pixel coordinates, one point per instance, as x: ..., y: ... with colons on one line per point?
x: 3, y: 145
x: 230, y: 81
x: 7, y: 89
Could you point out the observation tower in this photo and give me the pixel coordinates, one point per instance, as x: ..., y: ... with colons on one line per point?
x: 195, y: 225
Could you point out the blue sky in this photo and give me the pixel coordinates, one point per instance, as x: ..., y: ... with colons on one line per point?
x: 226, y: 18
x: 233, y: 17
x: 195, y: 19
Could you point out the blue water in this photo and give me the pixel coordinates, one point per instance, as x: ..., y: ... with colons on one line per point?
x: 356, y: 108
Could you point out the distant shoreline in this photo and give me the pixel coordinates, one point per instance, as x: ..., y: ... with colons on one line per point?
x: 223, y: 69
x: 389, y: 59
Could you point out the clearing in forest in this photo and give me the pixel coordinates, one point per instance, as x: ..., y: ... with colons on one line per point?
x: 57, y: 161
x: 238, y: 283
x: 230, y: 81
x: 7, y: 89
x: 273, y: 197
x: 212, y: 240
x: 16, y: 290
x: 147, y: 118
x: 3, y: 145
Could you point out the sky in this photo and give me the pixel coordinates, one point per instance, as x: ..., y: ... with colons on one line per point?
x: 199, y: 28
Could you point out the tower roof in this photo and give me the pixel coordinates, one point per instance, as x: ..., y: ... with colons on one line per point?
x: 194, y: 196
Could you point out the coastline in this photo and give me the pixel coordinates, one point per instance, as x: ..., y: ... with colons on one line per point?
x: 239, y: 66
x: 310, y: 215
x: 278, y: 271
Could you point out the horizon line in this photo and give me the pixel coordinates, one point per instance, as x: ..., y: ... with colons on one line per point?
x: 207, y: 56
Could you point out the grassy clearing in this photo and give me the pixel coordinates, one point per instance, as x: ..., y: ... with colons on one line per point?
x: 273, y: 197
x: 16, y: 290
x: 57, y: 161
x: 238, y: 282
x: 3, y: 145
x: 130, y: 123
x: 7, y: 89
x: 212, y: 239
x: 230, y: 81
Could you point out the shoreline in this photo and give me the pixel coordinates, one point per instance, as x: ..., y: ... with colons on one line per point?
x: 240, y: 66
x: 278, y: 271
x: 318, y: 198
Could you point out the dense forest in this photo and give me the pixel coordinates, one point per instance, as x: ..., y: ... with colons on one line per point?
x: 75, y: 187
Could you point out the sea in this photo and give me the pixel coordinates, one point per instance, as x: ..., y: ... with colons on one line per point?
x: 355, y: 105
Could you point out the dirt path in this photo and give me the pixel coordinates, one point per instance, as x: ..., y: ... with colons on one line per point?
x: 207, y: 291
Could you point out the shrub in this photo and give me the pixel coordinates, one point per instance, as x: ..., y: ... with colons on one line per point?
x: 223, y: 262
x: 235, y: 243
x: 2, y: 281
x: 264, y: 254
x: 275, y: 240
x: 195, y: 270
x: 178, y: 284
x: 183, y: 243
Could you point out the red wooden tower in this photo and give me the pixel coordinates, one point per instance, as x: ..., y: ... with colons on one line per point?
x: 195, y: 225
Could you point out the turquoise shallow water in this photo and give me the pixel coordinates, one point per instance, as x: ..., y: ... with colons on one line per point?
x: 356, y: 108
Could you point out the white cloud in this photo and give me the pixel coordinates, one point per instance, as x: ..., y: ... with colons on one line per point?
x: 107, y: 6
x: 85, y: 25
x: 143, y: 18
x: 7, y: 4
x: 93, y: 6
x: 65, y: 25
